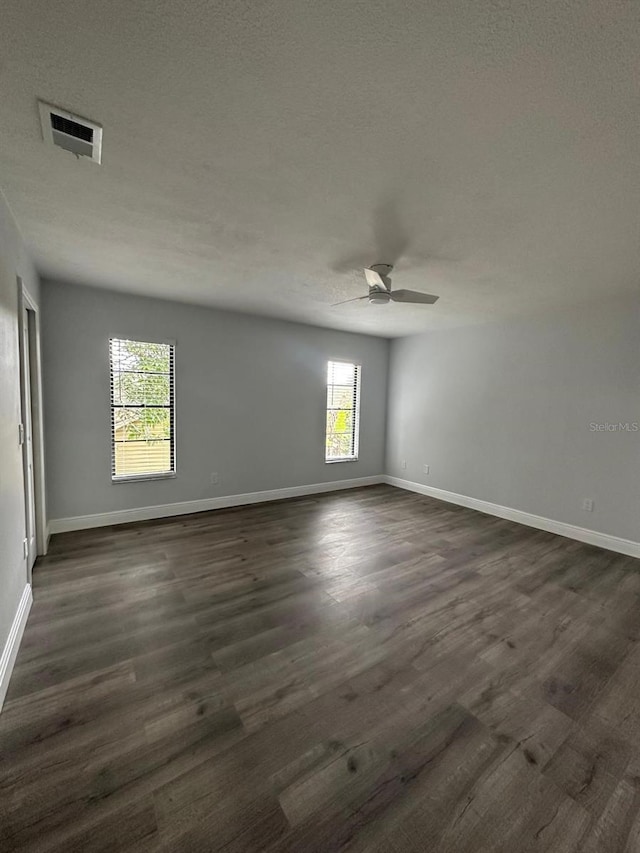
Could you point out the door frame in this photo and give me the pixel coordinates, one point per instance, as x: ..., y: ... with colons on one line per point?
x: 27, y: 305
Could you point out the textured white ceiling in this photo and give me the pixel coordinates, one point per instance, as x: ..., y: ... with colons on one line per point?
x: 257, y: 153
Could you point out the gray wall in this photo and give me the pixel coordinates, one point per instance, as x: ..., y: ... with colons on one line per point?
x: 503, y: 412
x: 250, y: 398
x: 13, y: 571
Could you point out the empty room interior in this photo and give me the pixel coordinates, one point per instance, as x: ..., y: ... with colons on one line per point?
x: 320, y: 426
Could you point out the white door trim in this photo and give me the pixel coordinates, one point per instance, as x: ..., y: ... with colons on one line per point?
x: 26, y: 303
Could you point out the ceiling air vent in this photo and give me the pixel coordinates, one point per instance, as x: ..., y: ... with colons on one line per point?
x: 73, y: 133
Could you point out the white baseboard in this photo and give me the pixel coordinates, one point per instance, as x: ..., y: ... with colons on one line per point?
x: 571, y: 531
x: 12, y: 645
x: 144, y: 513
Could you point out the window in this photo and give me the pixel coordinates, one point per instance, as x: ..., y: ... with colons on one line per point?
x: 343, y: 411
x: 142, y: 410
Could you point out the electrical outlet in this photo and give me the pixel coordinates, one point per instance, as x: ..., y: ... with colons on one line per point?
x: 214, y: 478
x: 403, y: 464
x: 425, y: 468
x: 587, y: 505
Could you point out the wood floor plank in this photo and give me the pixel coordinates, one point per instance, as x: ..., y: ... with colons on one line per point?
x: 370, y: 670
x: 589, y: 764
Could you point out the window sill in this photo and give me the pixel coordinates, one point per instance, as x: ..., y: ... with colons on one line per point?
x: 140, y: 478
x: 344, y: 459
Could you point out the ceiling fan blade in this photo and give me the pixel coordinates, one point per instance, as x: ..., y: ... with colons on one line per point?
x: 413, y: 296
x: 374, y: 279
x: 355, y: 299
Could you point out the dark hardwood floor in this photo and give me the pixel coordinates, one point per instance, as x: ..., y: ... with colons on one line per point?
x: 366, y: 670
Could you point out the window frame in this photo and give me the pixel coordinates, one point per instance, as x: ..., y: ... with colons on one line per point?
x: 355, y: 433
x: 158, y: 475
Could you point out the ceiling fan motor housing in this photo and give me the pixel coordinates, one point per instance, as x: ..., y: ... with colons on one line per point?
x: 378, y: 297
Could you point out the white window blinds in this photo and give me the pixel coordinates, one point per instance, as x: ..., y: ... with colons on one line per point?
x: 343, y: 411
x: 142, y: 409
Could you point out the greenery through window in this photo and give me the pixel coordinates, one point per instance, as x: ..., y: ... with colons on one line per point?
x: 343, y: 411
x: 142, y: 409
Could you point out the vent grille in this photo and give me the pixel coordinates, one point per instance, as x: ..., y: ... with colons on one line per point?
x: 71, y: 128
x: 71, y: 132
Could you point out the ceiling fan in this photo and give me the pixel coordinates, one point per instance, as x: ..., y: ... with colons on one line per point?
x: 377, y: 276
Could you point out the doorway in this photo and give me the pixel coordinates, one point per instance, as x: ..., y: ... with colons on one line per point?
x: 30, y: 429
